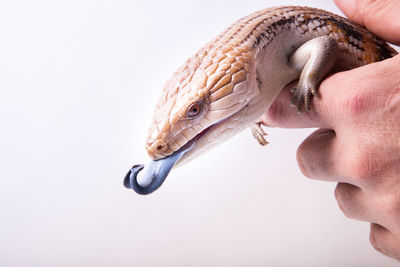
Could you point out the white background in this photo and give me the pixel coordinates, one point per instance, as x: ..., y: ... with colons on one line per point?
x: 79, y: 81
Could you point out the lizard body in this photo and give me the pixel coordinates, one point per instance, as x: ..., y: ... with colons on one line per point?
x: 229, y: 83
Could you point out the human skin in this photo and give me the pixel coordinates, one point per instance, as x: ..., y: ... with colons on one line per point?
x: 358, y: 143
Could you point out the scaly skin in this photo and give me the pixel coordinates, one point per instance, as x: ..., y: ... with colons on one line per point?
x: 216, y: 71
x: 227, y: 85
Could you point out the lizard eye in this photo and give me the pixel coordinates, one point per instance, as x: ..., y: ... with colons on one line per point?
x: 193, y: 110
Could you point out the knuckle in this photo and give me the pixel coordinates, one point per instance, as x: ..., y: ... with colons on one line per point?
x: 373, y: 239
x: 300, y: 155
x: 342, y: 197
x: 307, y: 165
x: 378, y: 237
x: 389, y: 205
x: 356, y: 105
x: 364, y: 165
x: 313, y: 155
x: 384, y: 241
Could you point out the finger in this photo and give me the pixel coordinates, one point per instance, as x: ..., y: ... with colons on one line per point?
x: 384, y: 241
x: 316, y: 156
x: 380, y: 17
x: 348, y: 95
x: 282, y: 114
x: 325, y: 155
x: 353, y: 202
x: 363, y: 205
x: 328, y: 110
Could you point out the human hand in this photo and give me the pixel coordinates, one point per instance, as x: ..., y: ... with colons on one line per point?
x: 358, y: 144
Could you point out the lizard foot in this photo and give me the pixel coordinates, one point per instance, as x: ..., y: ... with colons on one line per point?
x: 302, y: 96
x: 259, y: 134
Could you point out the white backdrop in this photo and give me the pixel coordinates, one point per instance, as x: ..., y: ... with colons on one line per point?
x: 79, y: 81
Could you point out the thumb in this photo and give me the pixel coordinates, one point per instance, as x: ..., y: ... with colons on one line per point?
x: 379, y: 16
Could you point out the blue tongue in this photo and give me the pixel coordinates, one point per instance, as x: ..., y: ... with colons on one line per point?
x: 156, y: 172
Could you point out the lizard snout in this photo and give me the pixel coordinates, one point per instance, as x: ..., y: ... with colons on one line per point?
x: 158, y: 149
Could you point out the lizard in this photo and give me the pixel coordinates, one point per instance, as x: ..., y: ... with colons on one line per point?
x: 228, y: 84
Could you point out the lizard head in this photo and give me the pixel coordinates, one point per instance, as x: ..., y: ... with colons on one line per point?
x: 203, y: 104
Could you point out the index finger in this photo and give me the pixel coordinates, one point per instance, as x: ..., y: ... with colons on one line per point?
x: 344, y: 97
x: 323, y: 113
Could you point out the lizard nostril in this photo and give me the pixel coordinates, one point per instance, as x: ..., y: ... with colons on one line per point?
x: 159, y: 146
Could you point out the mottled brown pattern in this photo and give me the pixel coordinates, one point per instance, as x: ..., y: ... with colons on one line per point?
x: 214, y: 70
x: 242, y: 38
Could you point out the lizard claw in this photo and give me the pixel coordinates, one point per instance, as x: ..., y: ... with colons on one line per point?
x: 259, y: 133
x: 302, y: 97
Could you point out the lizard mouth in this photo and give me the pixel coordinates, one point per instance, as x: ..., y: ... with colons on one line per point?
x: 158, y: 170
